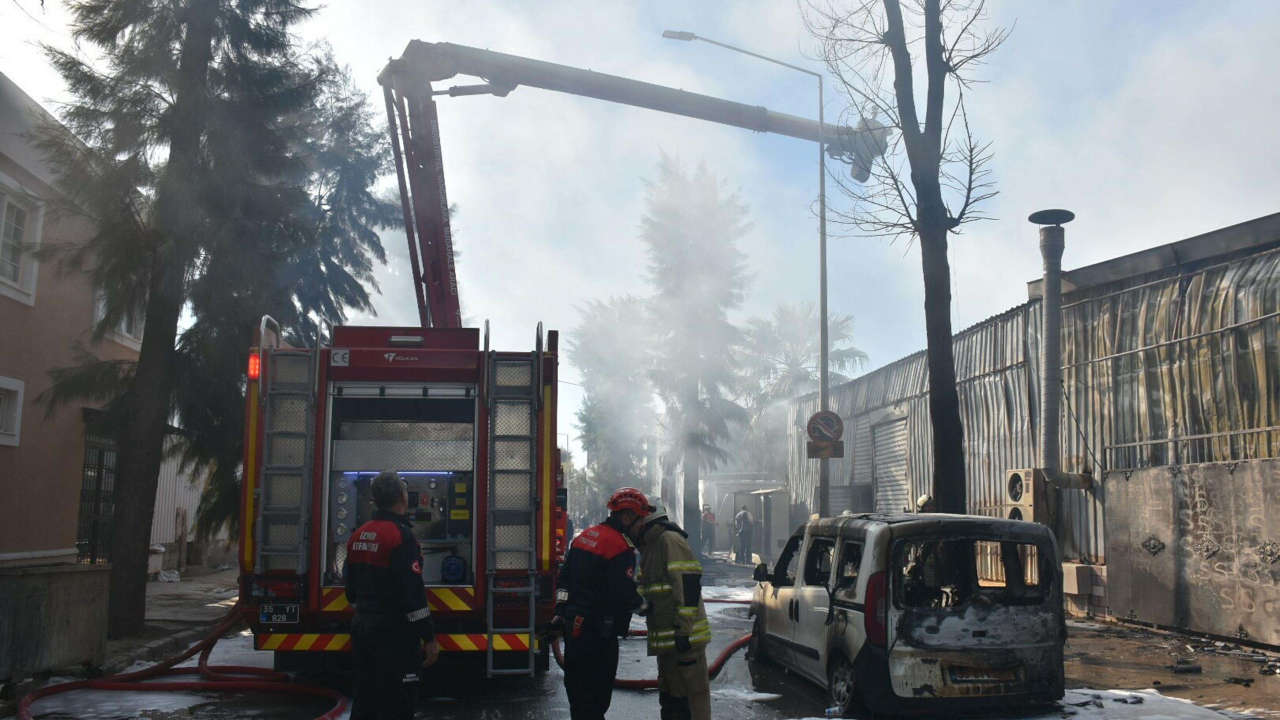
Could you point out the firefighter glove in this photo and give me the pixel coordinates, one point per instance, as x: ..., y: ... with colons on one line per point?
x: 682, y: 643
x: 430, y: 653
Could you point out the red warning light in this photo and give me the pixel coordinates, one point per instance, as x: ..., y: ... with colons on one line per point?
x: 255, y: 366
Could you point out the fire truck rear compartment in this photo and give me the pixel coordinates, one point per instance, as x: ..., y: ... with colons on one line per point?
x: 427, y: 434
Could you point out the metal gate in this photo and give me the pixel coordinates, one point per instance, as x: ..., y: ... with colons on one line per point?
x: 97, y: 500
x: 889, y: 466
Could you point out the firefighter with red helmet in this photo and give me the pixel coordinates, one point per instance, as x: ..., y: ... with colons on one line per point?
x: 392, y: 626
x: 595, y: 597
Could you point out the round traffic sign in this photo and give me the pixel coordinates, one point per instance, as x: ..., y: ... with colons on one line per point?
x: 825, y: 425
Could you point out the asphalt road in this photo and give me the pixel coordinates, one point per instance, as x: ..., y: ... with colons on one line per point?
x: 742, y: 690
x: 457, y: 692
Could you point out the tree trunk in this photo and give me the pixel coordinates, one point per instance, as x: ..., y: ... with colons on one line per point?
x: 692, y: 521
x: 140, y: 453
x: 944, y: 403
x: 148, y: 400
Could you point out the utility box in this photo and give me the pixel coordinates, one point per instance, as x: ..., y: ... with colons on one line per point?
x: 1077, y: 579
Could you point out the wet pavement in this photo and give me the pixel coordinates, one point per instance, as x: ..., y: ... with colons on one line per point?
x: 1097, y: 656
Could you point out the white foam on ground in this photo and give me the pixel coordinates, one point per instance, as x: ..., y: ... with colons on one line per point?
x: 734, y: 693
x: 726, y: 592
x: 1120, y: 705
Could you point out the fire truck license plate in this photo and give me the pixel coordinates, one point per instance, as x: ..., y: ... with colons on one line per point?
x: 273, y: 613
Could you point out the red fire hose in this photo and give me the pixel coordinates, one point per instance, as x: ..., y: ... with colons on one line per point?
x: 231, y: 678
x: 244, y: 678
x: 652, y: 683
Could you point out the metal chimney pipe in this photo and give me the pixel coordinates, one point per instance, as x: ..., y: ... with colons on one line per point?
x: 1052, y: 242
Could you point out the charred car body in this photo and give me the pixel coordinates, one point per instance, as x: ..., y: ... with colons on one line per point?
x: 910, y: 612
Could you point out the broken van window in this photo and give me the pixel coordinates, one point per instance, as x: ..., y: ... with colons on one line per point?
x: 937, y: 573
x: 847, y: 578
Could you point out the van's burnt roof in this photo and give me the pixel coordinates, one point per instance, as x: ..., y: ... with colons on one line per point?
x: 836, y: 524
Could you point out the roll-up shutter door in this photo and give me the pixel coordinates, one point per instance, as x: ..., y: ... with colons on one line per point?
x: 889, y: 466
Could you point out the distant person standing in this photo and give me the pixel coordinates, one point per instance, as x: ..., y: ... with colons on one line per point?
x: 708, y: 530
x: 742, y: 528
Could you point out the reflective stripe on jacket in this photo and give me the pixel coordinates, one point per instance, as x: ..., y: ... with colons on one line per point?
x: 671, y: 580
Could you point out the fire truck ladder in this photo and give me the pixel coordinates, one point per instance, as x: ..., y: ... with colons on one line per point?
x: 283, y: 494
x: 514, y: 386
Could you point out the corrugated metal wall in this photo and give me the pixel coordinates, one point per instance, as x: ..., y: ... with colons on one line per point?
x: 174, y: 491
x: 1156, y: 370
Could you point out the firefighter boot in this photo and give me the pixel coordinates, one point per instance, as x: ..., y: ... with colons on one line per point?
x: 684, y: 691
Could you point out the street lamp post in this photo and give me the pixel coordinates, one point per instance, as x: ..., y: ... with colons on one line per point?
x: 824, y: 468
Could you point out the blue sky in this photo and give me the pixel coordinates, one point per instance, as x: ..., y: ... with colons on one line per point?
x: 1153, y: 121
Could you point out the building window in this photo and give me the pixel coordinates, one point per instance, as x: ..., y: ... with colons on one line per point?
x: 12, y: 233
x: 128, y: 331
x: 10, y: 410
x: 20, y: 224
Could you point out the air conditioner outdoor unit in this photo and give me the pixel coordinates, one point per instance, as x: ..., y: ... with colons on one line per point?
x: 1026, y: 496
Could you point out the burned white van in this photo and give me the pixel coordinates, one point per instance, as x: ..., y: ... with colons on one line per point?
x: 910, y: 612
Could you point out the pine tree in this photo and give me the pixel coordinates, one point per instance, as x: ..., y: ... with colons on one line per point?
x: 211, y: 155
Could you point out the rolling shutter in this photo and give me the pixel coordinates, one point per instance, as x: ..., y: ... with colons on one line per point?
x: 889, y: 466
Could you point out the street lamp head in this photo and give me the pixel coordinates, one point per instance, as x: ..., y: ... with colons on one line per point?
x: 678, y: 35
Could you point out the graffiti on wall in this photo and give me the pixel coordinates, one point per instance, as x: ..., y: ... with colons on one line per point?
x: 1193, y: 548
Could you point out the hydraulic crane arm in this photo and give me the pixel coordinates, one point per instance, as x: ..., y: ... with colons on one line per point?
x: 411, y: 113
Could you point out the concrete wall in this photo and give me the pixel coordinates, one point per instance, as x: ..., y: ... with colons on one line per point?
x: 51, y: 617
x: 1197, y: 547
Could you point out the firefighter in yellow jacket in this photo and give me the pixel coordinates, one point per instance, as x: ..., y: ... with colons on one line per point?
x: 671, y: 583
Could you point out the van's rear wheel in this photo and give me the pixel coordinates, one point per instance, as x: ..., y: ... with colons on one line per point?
x: 841, y: 685
x: 755, y: 648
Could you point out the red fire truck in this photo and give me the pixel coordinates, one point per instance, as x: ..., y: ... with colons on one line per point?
x: 471, y: 430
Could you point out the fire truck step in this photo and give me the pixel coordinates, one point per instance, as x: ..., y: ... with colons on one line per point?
x: 524, y: 590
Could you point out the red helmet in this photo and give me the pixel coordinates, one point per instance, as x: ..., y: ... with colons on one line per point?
x: 629, y: 498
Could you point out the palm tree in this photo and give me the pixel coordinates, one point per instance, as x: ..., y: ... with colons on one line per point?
x: 780, y: 357
x: 782, y: 354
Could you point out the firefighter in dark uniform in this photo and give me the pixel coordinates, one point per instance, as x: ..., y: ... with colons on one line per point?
x: 392, y: 621
x: 595, y: 596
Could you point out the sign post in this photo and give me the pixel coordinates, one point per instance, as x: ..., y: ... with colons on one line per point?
x: 826, y: 433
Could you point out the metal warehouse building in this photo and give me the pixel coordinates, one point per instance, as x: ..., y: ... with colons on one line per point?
x: 1171, y: 401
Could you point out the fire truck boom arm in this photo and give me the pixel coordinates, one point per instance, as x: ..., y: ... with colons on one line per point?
x: 411, y: 112
x: 423, y: 63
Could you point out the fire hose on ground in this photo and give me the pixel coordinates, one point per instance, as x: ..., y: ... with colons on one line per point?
x: 652, y: 683
x: 232, y: 678
x: 244, y: 678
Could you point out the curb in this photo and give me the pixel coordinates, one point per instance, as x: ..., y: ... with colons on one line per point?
x: 155, y: 650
